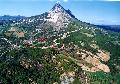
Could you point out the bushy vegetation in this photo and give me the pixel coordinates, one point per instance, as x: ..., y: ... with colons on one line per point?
x: 105, y: 41
x: 44, y: 66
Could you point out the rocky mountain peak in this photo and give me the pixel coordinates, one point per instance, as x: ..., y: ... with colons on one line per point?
x: 58, y: 8
x: 58, y: 13
x: 60, y: 17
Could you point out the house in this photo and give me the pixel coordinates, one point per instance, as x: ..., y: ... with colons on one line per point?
x: 41, y: 39
x: 19, y: 34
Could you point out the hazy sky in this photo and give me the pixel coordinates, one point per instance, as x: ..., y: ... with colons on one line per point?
x: 93, y: 11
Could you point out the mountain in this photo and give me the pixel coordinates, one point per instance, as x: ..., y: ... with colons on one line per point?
x: 115, y: 28
x: 58, y: 18
x: 12, y: 18
x: 9, y: 19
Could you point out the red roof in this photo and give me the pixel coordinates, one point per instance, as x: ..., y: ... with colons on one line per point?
x: 41, y: 39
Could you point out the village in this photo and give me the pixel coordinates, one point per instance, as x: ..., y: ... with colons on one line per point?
x: 80, y: 54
